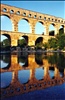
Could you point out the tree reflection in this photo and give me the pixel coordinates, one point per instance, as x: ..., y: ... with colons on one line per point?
x: 39, y: 59
x: 23, y: 60
x: 5, y: 61
x: 57, y: 59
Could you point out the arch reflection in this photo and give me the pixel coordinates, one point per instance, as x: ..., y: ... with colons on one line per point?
x: 24, y: 76
x: 39, y: 73
x: 23, y: 60
x: 6, y: 79
x: 35, y: 76
x: 39, y: 59
x: 5, y: 61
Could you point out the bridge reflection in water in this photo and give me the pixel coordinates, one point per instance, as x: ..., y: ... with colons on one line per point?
x: 23, y: 73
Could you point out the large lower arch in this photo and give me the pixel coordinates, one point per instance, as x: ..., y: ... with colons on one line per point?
x: 24, y: 26
x: 23, y: 41
x: 6, y: 23
x: 39, y: 40
x: 5, y: 42
x: 6, y: 37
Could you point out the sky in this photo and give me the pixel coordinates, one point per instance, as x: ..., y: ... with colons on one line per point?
x: 55, y: 8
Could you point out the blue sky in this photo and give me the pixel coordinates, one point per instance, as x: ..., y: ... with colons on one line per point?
x: 55, y: 8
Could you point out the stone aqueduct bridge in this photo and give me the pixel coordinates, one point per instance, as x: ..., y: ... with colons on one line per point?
x: 16, y: 14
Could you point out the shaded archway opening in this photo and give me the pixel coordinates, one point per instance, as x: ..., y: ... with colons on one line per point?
x: 26, y: 38
x: 23, y: 41
x: 24, y: 26
x: 39, y: 43
x: 39, y: 40
x: 5, y: 42
x: 61, y: 29
x: 39, y: 28
x: 6, y: 23
x: 51, y: 30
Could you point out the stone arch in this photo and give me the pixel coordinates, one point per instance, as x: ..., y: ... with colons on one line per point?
x: 61, y: 29
x: 6, y: 41
x: 25, y: 38
x: 8, y: 21
x: 52, y: 29
x: 24, y: 25
x: 38, y: 40
x: 39, y: 28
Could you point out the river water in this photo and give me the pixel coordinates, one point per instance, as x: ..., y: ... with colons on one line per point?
x: 39, y: 76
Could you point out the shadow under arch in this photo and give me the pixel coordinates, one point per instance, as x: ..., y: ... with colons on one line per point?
x: 38, y: 40
x: 26, y: 38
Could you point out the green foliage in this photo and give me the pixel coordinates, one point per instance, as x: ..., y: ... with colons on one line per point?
x: 61, y: 41
x: 46, y: 45
x: 58, y: 42
x: 22, y: 42
x: 6, y: 43
x: 39, y: 45
x: 52, y: 43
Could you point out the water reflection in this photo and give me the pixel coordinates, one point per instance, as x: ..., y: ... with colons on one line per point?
x: 39, y: 73
x: 5, y: 61
x: 23, y: 73
x: 6, y: 79
x: 24, y: 76
x: 23, y: 60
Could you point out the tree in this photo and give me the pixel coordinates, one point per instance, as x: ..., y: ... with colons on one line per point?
x: 52, y: 42
x: 22, y: 43
x: 6, y: 43
x: 61, y: 41
x: 46, y: 45
x: 39, y: 45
